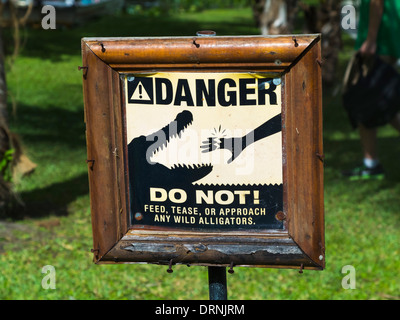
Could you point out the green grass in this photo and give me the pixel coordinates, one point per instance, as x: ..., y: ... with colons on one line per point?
x: 362, y: 218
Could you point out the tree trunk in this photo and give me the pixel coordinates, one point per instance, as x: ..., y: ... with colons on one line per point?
x: 275, y: 16
x: 279, y: 17
x: 325, y: 19
x: 13, y: 161
x: 5, y: 186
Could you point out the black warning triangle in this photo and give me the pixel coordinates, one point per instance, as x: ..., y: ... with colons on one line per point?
x: 140, y: 90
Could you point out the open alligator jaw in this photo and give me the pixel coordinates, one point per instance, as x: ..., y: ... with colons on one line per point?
x: 175, y: 129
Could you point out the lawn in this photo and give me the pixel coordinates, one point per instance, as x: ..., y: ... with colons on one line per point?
x: 362, y: 218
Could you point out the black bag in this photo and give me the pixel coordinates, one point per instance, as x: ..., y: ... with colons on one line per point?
x: 371, y: 92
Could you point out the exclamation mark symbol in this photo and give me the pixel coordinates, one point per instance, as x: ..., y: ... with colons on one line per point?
x: 140, y: 91
x: 256, y: 195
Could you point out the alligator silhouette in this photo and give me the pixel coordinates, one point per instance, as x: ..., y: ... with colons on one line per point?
x: 144, y: 174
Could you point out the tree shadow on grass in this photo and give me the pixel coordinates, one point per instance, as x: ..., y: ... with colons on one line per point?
x: 52, y: 200
x: 50, y: 126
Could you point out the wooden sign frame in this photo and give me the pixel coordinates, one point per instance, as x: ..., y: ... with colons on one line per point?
x: 297, y: 59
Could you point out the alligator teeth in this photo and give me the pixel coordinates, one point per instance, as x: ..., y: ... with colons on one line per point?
x: 191, y: 166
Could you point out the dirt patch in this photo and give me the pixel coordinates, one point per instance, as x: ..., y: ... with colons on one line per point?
x: 9, y: 232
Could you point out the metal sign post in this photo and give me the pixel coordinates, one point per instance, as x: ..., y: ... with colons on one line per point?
x: 217, y: 283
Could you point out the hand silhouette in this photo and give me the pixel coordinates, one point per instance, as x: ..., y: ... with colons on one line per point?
x: 237, y: 144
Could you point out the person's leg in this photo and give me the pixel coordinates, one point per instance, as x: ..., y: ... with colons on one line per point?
x: 371, y: 168
x: 368, y: 142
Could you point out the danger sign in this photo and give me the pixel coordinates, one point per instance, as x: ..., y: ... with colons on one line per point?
x: 205, y: 150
